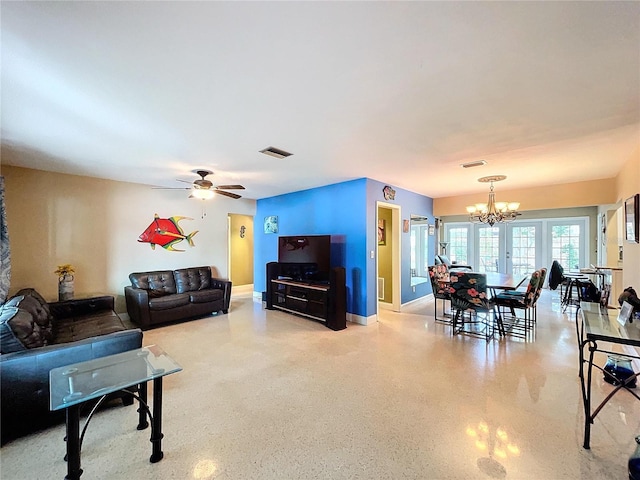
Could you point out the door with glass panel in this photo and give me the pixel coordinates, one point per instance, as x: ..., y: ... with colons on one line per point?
x: 489, y: 242
x: 518, y: 248
x: 524, y: 248
x: 458, y: 239
x: 569, y: 242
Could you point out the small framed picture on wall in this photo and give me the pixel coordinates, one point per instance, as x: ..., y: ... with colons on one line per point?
x: 382, y: 233
x: 631, y: 212
x: 271, y: 224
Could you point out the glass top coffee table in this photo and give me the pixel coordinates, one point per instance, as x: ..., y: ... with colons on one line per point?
x: 72, y: 385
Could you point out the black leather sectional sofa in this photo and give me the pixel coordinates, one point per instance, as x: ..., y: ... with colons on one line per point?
x: 36, y: 337
x: 162, y: 296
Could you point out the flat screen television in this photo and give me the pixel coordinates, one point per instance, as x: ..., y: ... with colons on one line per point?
x: 312, y: 249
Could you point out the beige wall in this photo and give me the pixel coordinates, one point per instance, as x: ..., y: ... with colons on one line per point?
x: 580, y: 194
x: 628, y: 184
x: 241, y: 249
x: 94, y: 224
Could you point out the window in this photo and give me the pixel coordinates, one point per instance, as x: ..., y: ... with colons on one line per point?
x: 524, y: 256
x: 458, y: 244
x: 520, y: 247
x: 488, y: 248
x: 566, y: 245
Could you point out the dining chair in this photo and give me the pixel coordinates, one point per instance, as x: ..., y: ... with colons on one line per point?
x: 439, y: 276
x: 473, y: 310
x: 523, y: 301
x: 543, y: 276
x: 444, y: 260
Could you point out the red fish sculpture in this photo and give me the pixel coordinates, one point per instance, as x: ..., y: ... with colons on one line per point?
x: 166, y: 232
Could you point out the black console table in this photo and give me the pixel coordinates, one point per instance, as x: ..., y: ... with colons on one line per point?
x: 324, y: 301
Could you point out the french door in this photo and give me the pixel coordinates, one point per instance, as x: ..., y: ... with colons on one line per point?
x: 520, y: 247
x: 524, y: 248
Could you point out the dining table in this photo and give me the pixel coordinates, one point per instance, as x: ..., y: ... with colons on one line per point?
x: 504, y: 281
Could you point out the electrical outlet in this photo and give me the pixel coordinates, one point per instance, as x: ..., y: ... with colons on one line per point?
x: 373, y: 254
x: 413, y: 289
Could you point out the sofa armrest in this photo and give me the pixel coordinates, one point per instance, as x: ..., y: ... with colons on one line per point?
x: 224, y: 285
x: 138, y: 305
x: 24, y: 375
x: 77, y: 308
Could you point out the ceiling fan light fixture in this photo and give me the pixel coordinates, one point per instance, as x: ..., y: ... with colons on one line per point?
x: 275, y: 152
x: 202, y: 194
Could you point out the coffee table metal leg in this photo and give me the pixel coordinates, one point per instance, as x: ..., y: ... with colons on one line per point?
x: 156, y: 422
x: 142, y: 407
x: 73, y: 443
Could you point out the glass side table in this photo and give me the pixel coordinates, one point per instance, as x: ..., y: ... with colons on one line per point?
x: 72, y: 385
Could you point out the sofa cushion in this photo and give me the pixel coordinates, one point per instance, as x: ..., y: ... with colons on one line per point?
x: 40, y: 314
x: 204, y: 296
x: 87, y: 326
x: 18, y: 330
x: 192, y: 279
x: 158, y: 283
x: 169, y: 301
x: 30, y: 292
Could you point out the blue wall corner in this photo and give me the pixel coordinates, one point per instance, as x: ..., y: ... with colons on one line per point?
x: 347, y: 211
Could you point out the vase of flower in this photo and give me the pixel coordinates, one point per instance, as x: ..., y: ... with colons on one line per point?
x: 65, y: 282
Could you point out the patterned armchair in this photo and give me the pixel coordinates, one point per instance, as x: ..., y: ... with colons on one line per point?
x: 469, y: 299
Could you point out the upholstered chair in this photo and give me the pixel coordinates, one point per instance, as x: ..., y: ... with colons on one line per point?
x: 473, y: 310
x: 439, y: 276
x: 521, y: 301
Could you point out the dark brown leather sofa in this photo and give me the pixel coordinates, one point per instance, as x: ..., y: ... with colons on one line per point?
x: 165, y: 296
x: 36, y: 337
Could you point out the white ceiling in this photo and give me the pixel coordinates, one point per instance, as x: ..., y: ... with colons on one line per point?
x: 401, y: 92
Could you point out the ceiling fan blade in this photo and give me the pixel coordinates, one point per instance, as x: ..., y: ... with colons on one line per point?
x: 230, y: 187
x: 228, y: 194
x: 171, y: 188
x: 184, y: 181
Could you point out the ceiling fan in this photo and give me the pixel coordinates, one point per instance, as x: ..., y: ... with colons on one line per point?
x: 204, y: 189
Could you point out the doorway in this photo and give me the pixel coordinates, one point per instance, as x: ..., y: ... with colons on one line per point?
x: 240, y: 249
x: 388, y: 285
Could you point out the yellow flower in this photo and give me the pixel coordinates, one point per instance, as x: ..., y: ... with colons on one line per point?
x: 66, y: 269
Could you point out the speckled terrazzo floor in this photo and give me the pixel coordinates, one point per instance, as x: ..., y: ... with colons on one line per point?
x: 267, y: 395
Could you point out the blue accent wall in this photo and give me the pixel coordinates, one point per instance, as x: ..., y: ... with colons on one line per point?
x: 347, y: 211
x: 409, y: 203
x: 338, y: 210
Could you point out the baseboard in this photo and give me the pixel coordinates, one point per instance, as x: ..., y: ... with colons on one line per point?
x: 360, y: 320
x: 425, y: 298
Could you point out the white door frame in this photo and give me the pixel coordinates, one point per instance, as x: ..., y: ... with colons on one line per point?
x: 396, y: 260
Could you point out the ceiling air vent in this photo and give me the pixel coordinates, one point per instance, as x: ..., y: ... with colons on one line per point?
x: 275, y: 152
x: 473, y: 164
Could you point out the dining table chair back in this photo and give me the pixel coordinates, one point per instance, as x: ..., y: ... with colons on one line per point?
x: 439, y: 276
x: 469, y: 300
x: 468, y: 291
x: 523, y: 301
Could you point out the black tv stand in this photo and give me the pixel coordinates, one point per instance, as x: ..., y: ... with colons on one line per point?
x: 320, y: 300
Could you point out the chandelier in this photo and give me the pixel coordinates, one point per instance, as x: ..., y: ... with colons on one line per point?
x: 493, y: 212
